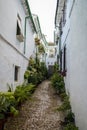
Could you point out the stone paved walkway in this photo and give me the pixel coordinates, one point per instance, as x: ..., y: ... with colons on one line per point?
x: 39, y: 113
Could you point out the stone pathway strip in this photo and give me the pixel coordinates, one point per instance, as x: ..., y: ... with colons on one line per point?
x: 39, y: 112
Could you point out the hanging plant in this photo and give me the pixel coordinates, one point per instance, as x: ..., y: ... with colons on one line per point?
x: 41, y: 49
x: 37, y: 41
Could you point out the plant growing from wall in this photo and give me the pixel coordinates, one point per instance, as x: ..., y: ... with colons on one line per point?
x: 41, y: 48
x: 37, y: 41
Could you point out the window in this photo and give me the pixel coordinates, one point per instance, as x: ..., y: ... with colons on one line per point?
x: 19, y: 33
x: 16, y: 73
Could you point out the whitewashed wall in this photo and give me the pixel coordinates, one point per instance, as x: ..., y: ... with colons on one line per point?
x: 76, y: 48
x: 11, y: 50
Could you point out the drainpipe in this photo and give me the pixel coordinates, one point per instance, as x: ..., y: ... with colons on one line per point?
x: 27, y: 3
x: 25, y: 33
x: 30, y: 16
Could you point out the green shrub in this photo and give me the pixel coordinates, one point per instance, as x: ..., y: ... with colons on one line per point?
x: 70, y: 118
x: 65, y: 105
x: 23, y: 92
x: 7, y: 100
x: 58, y: 83
x: 63, y: 96
x: 36, y: 71
x: 26, y: 74
x: 14, y: 111
x: 56, y: 67
x: 43, y: 70
x: 33, y: 78
x: 70, y: 126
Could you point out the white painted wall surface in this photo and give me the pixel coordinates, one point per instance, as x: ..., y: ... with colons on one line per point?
x: 50, y: 61
x: 78, y: 62
x: 76, y: 47
x: 11, y: 50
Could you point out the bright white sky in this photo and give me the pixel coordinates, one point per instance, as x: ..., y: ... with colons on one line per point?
x: 45, y: 9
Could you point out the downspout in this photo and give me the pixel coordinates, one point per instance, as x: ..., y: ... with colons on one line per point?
x: 25, y: 33
x: 27, y: 3
x: 56, y: 11
x: 27, y: 17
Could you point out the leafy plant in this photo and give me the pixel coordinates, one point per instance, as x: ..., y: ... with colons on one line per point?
x: 63, y: 96
x: 23, y: 92
x: 41, y: 48
x: 56, y: 68
x: 14, y: 111
x: 70, y: 118
x: 10, y: 88
x: 70, y: 126
x: 58, y: 83
x: 2, y: 116
x: 65, y: 106
x: 26, y: 74
x: 7, y: 100
x: 36, y: 71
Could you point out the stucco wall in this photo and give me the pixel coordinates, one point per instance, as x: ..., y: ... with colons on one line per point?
x: 76, y: 79
x: 11, y: 50
x: 78, y: 61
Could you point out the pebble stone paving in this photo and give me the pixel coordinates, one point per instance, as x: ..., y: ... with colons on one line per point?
x: 39, y: 112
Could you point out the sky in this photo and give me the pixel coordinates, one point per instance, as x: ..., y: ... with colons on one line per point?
x: 45, y: 9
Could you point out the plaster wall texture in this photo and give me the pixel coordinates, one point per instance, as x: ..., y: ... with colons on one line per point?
x: 76, y: 78
x: 11, y: 50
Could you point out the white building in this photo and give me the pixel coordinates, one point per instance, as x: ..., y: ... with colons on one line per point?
x: 71, y: 19
x: 41, y: 37
x: 16, y: 41
x: 51, y: 57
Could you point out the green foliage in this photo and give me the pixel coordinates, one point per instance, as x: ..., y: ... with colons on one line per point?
x: 26, y: 74
x: 70, y: 126
x: 32, y: 78
x: 65, y: 105
x: 2, y: 116
x: 43, y: 70
x: 58, y: 83
x: 70, y: 118
x: 14, y: 111
x: 63, y: 96
x: 10, y: 88
x: 7, y: 100
x: 41, y: 48
x: 56, y: 67
x: 23, y: 92
x: 36, y: 71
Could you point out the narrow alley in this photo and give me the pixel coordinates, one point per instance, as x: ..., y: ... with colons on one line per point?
x: 39, y: 113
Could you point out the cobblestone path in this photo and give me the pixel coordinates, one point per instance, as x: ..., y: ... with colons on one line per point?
x: 39, y: 113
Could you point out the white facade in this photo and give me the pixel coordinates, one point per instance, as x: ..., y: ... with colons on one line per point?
x: 74, y: 36
x: 51, y: 57
x: 11, y: 49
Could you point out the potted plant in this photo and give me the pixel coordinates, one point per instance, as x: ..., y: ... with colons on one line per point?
x: 2, y: 121
x: 37, y: 41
